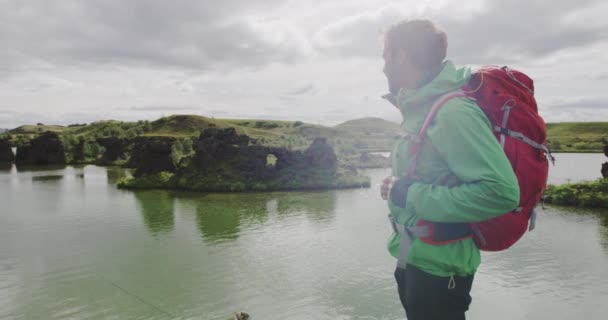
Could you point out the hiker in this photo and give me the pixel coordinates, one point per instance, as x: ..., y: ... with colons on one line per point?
x: 462, y: 174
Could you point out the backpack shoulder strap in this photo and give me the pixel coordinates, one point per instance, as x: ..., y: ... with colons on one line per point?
x: 439, y: 103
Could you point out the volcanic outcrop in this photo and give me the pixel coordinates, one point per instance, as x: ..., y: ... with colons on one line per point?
x: 6, y: 153
x: 227, y: 161
x: 224, y: 153
x: 151, y: 155
x: 44, y: 150
x: 115, y: 148
x: 78, y: 152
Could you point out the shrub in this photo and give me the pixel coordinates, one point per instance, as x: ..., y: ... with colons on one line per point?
x: 592, y: 194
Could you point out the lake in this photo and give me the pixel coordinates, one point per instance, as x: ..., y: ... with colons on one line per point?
x: 72, y: 246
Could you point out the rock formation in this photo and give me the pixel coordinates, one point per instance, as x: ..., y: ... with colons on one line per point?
x: 6, y: 153
x: 44, y: 150
x: 151, y: 155
x: 224, y: 151
x: 227, y: 161
x: 321, y: 155
x: 115, y: 148
x: 78, y: 152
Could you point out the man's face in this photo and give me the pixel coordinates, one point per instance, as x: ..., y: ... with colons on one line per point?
x: 397, y: 69
x: 388, y: 69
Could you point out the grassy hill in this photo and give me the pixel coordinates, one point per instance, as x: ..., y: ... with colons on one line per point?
x: 577, y: 136
x: 348, y: 139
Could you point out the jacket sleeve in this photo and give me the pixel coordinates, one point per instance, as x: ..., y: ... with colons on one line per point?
x: 463, y: 136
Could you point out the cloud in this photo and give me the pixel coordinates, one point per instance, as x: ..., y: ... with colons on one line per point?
x: 569, y: 109
x: 12, y: 119
x: 163, y: 108
x: 181, y: 33
x: 307, y: 89
x: 594, y: 103
x: 359, y: 35
x: 79, y: 61
x: 495, y: 32
x: 518, y: 30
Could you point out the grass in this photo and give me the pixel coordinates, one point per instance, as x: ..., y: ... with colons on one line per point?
x: 577, y: 136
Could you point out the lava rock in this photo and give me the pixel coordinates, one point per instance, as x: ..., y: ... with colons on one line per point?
x: 321, y: 155
x: 6, y: 153
x: 115, y: 148
x: 151, y: 155
x: 44, y: 150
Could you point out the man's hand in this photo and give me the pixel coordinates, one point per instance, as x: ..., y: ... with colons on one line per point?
x: 387, y: 183
x: 398, y: 192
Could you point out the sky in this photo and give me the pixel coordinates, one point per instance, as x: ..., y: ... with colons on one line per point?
x: 73, y: 61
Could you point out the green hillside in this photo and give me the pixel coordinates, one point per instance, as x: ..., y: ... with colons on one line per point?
x: 349, y: 139
x: 577, y: 136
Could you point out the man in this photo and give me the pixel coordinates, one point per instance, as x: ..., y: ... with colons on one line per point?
x: 462, y: 174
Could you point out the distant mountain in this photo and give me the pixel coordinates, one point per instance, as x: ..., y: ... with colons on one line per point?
x: 2, y: 130
x: 370, y: 125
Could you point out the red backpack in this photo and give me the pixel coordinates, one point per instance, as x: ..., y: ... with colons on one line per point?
x: 506, y: 96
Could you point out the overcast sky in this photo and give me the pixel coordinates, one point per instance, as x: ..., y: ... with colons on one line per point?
x: 73, y: 61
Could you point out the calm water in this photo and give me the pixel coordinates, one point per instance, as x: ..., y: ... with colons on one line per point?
x: 72, y: 246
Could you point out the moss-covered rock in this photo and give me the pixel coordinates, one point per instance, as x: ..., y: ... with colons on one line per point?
x: 227, y: 161
x: 152, y: 155
x: 43, y: 150
x: 115, y: 149
x: 321, y: 155
x: 6, y: 153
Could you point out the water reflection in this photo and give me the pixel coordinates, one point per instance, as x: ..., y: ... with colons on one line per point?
x: 47, y: 178
x: 34, y: 168
x: 114, y: 174
x: 603, y: 217
x: 219, y: 215
x: 157, y: 210
x: 601, y: 214
x: 317, y: 206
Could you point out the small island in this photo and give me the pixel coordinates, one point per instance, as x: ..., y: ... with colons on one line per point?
x: 226, y: 161
x: 190, y: 152
x: 592, y: 194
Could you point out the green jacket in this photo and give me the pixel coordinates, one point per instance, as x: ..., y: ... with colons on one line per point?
x: 465, y: 175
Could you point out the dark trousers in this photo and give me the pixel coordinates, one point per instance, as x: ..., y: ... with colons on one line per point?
x: 428, y: 297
